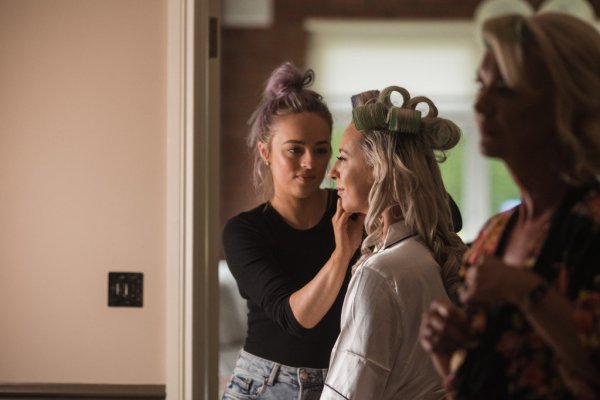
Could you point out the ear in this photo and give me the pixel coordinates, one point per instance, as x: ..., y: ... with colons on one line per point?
x: 263, y: 150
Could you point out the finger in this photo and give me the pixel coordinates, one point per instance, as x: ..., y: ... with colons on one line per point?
x: 464, y: 295
x: 427, y: 343
x: 344, y: 217
x: 442, y: 307
x: 448, y: 310
x: 471, y: 273
x: 429, y: 333
x: 453, y: 331
x: 433, y: 342
x: 425, y: 333
x: 479, y: 260
x: 339, y: 210
x: 443, y: 313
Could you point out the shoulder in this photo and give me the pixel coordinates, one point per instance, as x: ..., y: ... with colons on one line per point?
x: 401, y: 259
x: 405, y: 275
x: 248, y: 221
x: 489, y: 236
x: 406, y: 266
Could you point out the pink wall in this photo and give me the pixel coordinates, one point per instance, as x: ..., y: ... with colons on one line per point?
x: 82, y: 188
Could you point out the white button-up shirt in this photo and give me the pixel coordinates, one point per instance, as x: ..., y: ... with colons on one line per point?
x: 377, y: 354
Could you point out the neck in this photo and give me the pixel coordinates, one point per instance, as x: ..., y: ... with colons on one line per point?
x: 301, y: 213
x: 541, y: 190
x: 541, y: 187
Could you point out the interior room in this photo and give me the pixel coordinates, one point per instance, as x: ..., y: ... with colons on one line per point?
x: 123, y: 150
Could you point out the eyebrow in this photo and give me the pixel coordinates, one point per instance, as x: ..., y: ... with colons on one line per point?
x: 293, y: 141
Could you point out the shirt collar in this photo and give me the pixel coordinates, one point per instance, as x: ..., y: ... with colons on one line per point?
x: 396, y: 233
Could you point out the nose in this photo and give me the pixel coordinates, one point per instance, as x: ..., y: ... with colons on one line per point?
x: 333, y: 172
x: 481, y: 103
x: 307, y: 160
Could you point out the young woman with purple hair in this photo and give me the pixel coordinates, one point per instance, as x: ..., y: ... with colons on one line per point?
x: 290, y: 255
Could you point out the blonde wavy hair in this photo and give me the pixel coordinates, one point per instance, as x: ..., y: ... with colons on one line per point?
x: 566, y: 52
x: 404, y: 153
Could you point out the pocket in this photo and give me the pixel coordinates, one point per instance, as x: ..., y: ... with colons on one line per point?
x: 242, y: 386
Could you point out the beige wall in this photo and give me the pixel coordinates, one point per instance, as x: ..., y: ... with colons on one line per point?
x: 82, y: 188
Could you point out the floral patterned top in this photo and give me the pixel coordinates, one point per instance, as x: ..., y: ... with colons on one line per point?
x: 511, y: 360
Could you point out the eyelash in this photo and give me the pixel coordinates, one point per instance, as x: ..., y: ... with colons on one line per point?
x: 340, y: 158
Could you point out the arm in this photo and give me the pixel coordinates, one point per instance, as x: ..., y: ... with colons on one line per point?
x: 552, y: 316
x: 252, y: 261
x: 311, y: 302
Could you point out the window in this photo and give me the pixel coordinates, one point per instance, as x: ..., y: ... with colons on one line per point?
x: 436, y: 59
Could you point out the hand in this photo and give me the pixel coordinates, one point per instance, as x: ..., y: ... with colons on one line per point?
x: 445, y: 328
x: 490, y: 281
x: 348, y: 231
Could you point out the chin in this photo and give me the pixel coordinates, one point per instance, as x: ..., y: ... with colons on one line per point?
x: 345, y: 204
x: 489, y: 152
x: 349, y: 206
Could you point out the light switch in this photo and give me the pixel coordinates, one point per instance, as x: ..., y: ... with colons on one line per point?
x: 125, y: 289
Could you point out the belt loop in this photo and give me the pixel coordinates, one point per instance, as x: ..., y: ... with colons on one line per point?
x: 273, y: 375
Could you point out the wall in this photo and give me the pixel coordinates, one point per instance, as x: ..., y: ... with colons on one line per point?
x: 249, y: 56
x: 82, y: 188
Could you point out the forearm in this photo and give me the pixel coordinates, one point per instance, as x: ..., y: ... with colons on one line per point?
x: 310, y: 303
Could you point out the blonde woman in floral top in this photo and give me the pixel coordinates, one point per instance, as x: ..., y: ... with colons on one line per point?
x: 528, y: 326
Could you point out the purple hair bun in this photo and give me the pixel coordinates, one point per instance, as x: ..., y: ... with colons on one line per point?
x: 287, y: 79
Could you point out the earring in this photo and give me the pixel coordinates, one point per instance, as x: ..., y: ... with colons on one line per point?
x: 267, y: 163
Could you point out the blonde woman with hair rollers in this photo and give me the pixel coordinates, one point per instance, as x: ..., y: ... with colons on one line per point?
x: 388, y: 170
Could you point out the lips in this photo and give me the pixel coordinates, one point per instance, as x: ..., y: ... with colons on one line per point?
x: 305, y: 178
x: 483, y: 124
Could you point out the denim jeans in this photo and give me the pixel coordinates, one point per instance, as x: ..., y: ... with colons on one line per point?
x: 257, y: 378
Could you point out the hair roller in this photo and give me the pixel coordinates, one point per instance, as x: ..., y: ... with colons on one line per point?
x: 404, y: 120
x: 384, y: 96
x: 412, y: 103
x: 370, y: 116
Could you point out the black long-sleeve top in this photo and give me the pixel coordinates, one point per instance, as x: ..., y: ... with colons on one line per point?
x: 270, y: 260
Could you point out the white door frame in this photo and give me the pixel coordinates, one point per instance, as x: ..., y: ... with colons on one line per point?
x: 192, y: 226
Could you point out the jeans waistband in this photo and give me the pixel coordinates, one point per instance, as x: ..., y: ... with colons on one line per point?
x: 273, y: 371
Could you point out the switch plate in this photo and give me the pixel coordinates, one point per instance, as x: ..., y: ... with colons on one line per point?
x: 125, y: 289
